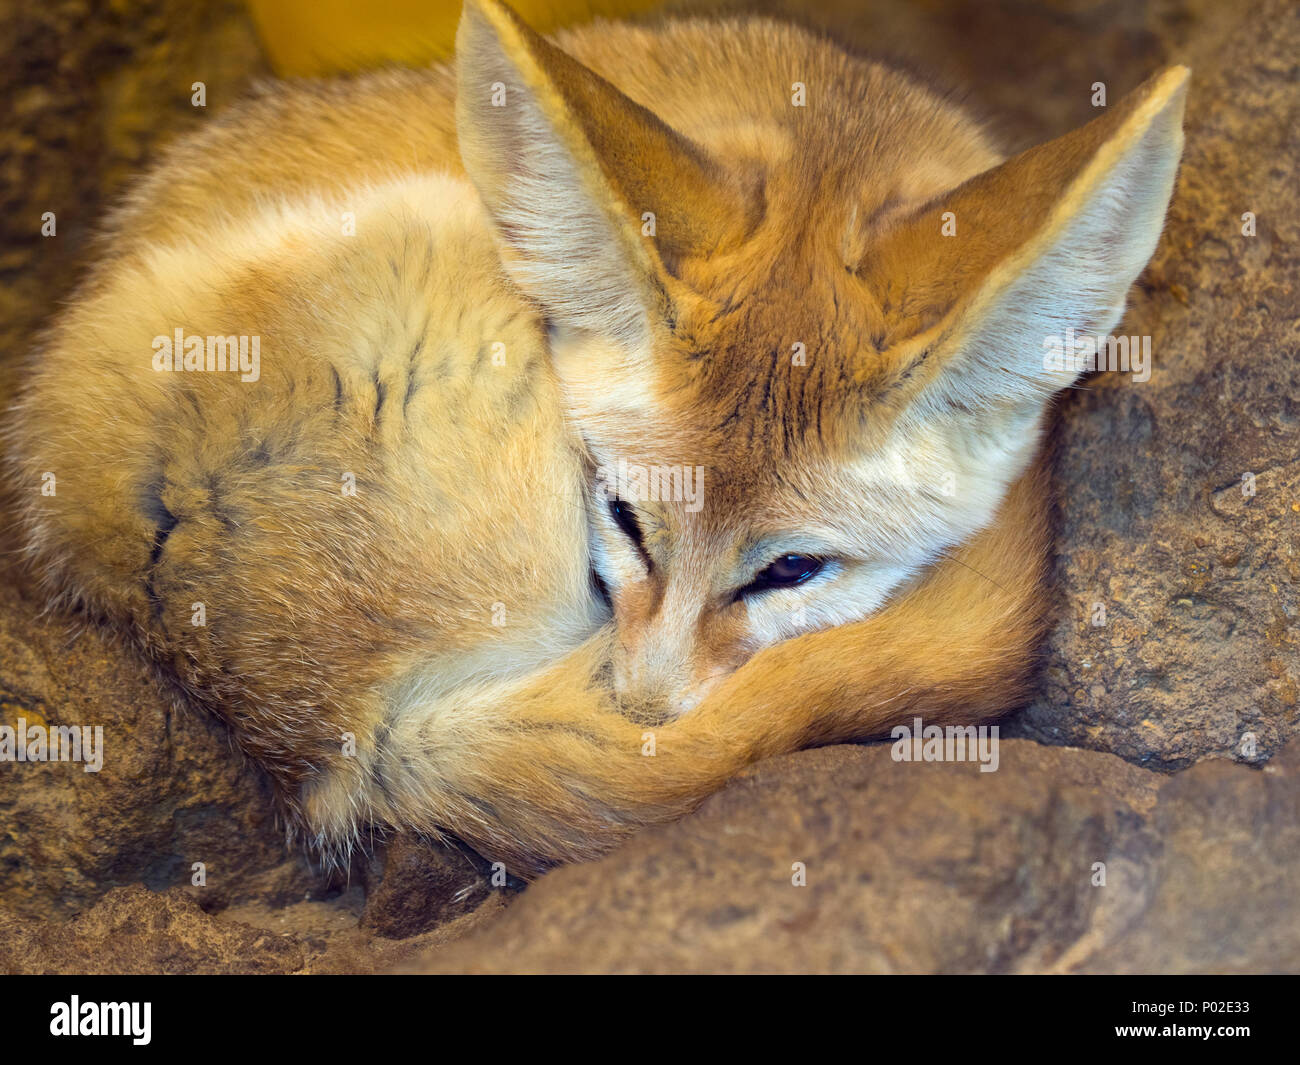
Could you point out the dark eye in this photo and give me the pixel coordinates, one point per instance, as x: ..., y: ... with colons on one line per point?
x: 625, y: 520
x: 786, y: 571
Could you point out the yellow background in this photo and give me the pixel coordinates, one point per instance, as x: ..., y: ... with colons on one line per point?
x: 312, y: 37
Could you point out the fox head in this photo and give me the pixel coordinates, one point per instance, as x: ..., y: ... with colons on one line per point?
x: 798, y: 307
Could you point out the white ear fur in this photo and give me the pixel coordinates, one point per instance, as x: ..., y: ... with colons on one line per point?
x: 568, y: 252
x: 1074, y: 275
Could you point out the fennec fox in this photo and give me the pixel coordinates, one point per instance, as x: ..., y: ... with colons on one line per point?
x: 372, y: 375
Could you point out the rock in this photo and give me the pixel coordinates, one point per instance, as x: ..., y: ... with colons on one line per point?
x: 933, y: 867
x: 96, y: 90
x: 171, y: 791
x: 414, y: 885
x: 1181, y: 495
x: 1225, y: 899
x: 134, y: 931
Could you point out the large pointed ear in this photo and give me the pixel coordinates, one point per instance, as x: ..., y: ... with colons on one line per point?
x: 569, y: 167
x: 979, y: 283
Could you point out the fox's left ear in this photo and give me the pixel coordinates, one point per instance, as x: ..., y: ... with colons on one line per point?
x: 1047, y: 242
x: 572, y: 170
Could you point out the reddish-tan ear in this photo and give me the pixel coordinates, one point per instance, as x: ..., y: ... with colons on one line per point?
x: 570, y: 167
x: 979, y: 280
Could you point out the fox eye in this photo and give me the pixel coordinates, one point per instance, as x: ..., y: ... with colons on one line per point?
x: 625, y: 520
x: 785, y: 572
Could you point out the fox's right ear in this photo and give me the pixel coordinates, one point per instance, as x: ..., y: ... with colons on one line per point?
x: 576, y: 176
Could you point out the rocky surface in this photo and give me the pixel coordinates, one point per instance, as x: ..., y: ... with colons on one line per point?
x: 909, y: 868
x: 914, y: 867
x: 1181, y: 501
x: 170, y: 794
x: 134, y: 931
x: 90, y: 89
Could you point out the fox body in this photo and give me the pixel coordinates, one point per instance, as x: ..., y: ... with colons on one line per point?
x: 796, y: 291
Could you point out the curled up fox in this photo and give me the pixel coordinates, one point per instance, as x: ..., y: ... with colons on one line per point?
x: 628, y: 407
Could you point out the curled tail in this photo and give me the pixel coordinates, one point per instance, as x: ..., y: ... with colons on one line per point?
x: 546, y: 770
